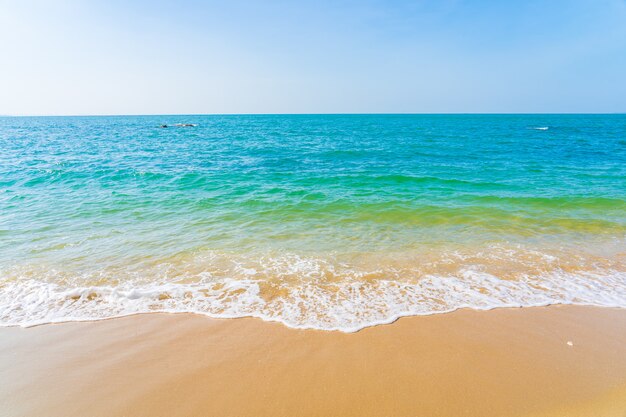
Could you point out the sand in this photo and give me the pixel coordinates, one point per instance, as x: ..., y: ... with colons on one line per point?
x: 539, y: 362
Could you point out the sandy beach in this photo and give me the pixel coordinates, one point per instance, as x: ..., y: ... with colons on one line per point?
x: 544, y: 361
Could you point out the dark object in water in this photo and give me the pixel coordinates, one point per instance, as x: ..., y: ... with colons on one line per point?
x: 180, y: 125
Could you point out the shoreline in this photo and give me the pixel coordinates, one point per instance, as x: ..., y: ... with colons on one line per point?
x: 391, y: 320
x: 499, y: 362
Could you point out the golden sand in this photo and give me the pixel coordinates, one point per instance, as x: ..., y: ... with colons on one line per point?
x: 539, y: 362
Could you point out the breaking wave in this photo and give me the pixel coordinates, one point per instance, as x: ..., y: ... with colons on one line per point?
x: 311, y: 292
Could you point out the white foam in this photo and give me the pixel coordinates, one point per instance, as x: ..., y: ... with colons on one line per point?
x: 348, y: 304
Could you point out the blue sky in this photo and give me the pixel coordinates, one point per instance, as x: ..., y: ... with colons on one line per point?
x: 158, y: 57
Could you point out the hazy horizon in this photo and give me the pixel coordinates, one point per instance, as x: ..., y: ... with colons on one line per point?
x: 370, y: 57
x: 319, y: 114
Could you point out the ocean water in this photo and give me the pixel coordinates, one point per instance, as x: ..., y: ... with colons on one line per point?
x: 333, y: 222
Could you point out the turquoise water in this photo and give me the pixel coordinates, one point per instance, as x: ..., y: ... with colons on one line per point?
x: 323, y: 221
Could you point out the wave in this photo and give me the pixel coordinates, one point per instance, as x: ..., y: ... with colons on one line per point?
x: 309, y: 292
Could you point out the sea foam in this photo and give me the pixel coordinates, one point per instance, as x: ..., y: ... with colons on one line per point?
x: 304, y: 296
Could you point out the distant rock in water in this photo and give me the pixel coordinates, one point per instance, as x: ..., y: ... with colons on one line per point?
x: 180, y: 125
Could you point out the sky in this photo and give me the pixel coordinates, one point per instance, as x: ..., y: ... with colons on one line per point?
x: 88, y: 57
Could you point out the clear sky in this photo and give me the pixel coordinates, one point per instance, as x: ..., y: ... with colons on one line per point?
x: 158, y: 57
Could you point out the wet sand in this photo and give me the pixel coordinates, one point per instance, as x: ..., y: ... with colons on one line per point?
x: 505, y: 362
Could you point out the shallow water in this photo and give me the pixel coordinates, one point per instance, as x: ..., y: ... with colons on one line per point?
x: 320, y: 221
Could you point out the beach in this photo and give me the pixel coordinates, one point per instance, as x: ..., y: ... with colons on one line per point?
x: 313, y: 209
x: 313, y: 265
x: 540, y: 362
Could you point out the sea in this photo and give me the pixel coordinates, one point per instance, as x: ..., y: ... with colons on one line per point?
x: 328, y: 222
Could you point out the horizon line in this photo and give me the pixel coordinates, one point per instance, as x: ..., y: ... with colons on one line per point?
x: 313, y: 114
